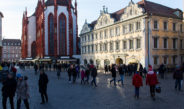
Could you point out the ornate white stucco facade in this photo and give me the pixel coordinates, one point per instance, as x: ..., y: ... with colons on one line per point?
x: 127, y: 36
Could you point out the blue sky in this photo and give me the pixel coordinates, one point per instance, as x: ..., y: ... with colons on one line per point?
x: 87, y: 9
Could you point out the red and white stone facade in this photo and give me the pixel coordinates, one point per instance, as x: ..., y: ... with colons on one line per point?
x: 52, y: 31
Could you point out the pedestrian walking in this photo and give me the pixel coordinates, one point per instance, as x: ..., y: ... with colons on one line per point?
x: 74, y: 74
x: 87, y: 73
x: 106, y: 69
x: 82, y: 76
x: 178, y: 76
x: 94, y: 75
x: 152, y: 81
x: 121, y: 73
x: 36, y: 69
x: 43, y: 81
x: 113, y: 71
x: 70, y: 72
x: 137, y: 82
x: 22, y: 91
x: 8, y: 91
x: 58, y: 71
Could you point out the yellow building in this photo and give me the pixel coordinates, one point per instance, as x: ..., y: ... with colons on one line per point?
x: 143, y: 32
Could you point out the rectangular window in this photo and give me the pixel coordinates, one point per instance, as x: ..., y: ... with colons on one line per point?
x: 131, y: 27
x: 138, y: 43
x: 181, y: 44
x: 155, y: 24
x: 111, y: 32
x: 174, y: 26
x: 165, y: 43
x: 111, y: 46
x: 96, y: 48
x: 138, y: 25
x: 92, y: 37
x: 124, y: 45
x: 101, y: 47
x: 88, y: 37
x: 117, y: 31
x: 155, y: 42
x: 92, y: 48
x: 174, y: 43
x: 131, y: 44
x: 155, y: 60
x: 124, y: 29
x: 101, y: 34
x: 117, y: 45
x: 181, y: 28
x: 105, y: 34
x: 96, y: 35
x: 174, y: 59
x: 165, y: 60
x: 88, y: 49
x: 165, y: 25
x: 105, y: 47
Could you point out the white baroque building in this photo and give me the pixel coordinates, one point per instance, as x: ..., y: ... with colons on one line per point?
x: 125, y: 36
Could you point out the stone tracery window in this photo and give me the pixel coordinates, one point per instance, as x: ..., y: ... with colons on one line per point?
x: 51, y: 34
x: 62, y: 34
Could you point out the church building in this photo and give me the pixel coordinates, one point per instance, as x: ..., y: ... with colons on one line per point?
x: 52, y: 30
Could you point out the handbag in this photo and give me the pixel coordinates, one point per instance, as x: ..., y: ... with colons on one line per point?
x: 158, y: 89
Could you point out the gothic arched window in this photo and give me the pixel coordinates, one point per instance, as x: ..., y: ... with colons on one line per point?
x: 51, y: 34
x: 62, y: 34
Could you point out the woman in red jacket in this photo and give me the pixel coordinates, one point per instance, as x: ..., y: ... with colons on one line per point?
x: 152, y: 81
x: 137, y: 82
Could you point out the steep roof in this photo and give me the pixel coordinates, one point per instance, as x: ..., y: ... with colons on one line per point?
x: 158, y: 9
x: 12, y: 42
x: 150, y: 8
x: 59, y: 2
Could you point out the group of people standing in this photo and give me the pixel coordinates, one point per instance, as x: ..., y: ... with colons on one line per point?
x: 85, y: 72
x: 18, y: 85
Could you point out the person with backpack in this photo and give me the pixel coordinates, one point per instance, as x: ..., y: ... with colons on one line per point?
x: 137, y: 82
x: 22, y: 91
x: 152, y: 81
x: 94, y: 75
x: 43, y: 81
x: 178, y: 76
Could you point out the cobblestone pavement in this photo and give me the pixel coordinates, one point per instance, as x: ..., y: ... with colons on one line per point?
x: 64, y: 95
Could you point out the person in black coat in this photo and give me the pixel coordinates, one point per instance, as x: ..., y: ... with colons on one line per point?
x: 8, y: 90
x: 74, y: 74
x: 113, y: 71
x: 70, y: 72
x: 121, y: 73
x: 87, y: 73
x: 94, y: 75
x: 178, y: 76
x: 43, y: 81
